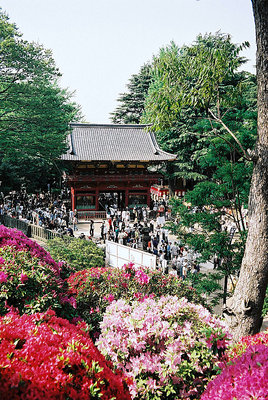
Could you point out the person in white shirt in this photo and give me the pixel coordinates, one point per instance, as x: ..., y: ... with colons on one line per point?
x: 124, y: 214
x: 174, y: 250
x: 184, y: 271
x: 120, y: 237
x: 173, y: 271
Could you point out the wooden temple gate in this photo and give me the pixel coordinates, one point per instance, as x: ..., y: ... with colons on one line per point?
x: 114, y: 165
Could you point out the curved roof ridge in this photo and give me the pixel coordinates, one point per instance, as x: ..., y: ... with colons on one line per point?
x: 123, y: 126
x: 70, y: 142
x: 155, y: 144
x: 97, y: 142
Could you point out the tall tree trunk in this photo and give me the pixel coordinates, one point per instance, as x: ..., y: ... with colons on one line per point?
x: 244, y: 313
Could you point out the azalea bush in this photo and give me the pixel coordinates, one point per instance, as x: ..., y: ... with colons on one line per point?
x: 96, y: 288
x: 245, y: 375
x: 19, y: 241
x: 239, y: 348
x: 30, y: 279
x: 45, y: 357
x: 245, y: 378
x: 168, y: 346
x: 30, y: 285
x: 77, y: 253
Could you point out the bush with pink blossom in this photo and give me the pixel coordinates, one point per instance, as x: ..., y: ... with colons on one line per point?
x: 239, y: 348
x: 30, y: 280
x: 19, y: 241
x: 245, y: 375
x: 168, y: 346
x: 45, y: 357
x: 95, y: 288
x: 29, y: 285
x: 245, y: 378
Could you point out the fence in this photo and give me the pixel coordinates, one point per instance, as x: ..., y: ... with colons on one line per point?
x: 118, y: 255
x: 37, y: 232
x: 86, y: 215
x: 34, y: 231
x: 15, y: 223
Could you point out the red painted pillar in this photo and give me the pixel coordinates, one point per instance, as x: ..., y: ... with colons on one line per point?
x: 73, y: 198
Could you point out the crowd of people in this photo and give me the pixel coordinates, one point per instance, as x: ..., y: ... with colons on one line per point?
x: 146, y: 231
x: 139, y: 227
x: 44, y: 209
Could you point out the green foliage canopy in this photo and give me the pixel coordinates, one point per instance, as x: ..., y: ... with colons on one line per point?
x: 205, y: 110
x: 77, y: 253
x: 34, y: 111
x: 131, y: 103
x: 190, y: 83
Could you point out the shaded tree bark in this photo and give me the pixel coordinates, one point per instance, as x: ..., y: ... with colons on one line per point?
x: 244, y: 313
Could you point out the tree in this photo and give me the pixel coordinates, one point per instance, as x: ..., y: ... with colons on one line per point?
x: 131, y: 104
x: 224, y: 189
x: 202, y: 86
x: 34, y: 112
x: 245, y: 311
x: 179, y: 104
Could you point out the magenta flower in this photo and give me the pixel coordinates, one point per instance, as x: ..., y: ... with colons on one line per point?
x: 141, y: 277
x: 109, y: 298
x: 23, y: 277
x: 72, y: 301
x: 245, y: 378
x: 3, y: 277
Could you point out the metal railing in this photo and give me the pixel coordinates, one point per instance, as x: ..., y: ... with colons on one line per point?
x: 16, y: 223
x: 37, y: 232
x: 34, y: 231
x: 86, y: 215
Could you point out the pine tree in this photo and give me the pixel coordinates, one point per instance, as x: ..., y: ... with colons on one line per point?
x: 131, y: 103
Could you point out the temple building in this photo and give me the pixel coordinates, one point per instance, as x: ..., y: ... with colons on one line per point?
x: 112, y: 164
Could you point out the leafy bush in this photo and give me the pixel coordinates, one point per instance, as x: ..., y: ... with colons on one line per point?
x: 245, y: 375
x: 169, y: 347
x: 207, y: 285
x: 19, y: 241
x: 77, y: 253
x: 246, y: 341
x: 44, y: 357
x: 30, y: 285
x: 245, y: 378
x: 30, y: 280
x: 96, y: 288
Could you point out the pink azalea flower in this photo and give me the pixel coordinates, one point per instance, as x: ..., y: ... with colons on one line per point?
x: 3, y: 277
x: 23, y: 277
x: 152, y: 340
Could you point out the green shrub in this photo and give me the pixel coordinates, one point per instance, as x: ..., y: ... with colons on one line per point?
x: 77, y: 253
x: 168, y: 346
x: 30, y: 285
x: 96, y: 288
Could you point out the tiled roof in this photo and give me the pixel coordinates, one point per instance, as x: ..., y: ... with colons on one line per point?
x: 88, y: 142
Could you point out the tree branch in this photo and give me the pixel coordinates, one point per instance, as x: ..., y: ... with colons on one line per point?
x: 246, y: 155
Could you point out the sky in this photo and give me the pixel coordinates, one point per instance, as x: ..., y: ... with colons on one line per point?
x: 98, y: 45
